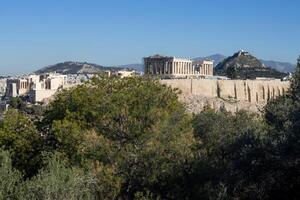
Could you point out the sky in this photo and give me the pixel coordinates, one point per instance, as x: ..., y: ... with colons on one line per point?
x: 37, y: 33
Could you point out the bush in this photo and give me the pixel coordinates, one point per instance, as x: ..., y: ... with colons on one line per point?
x: 10, y: 179
x: 60, y: 182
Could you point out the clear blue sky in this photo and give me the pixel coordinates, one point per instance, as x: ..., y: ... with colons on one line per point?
x: 35, y: 33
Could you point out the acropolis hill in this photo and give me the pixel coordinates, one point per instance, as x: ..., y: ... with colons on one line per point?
x: 201, y: 88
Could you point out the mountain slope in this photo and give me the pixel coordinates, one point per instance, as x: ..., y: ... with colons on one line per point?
x: 243, y: 65
x: 74, y: 68
x: 240, y: 59
x: 280, y: 66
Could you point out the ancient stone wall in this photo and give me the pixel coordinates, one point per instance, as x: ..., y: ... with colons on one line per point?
x: 254, y: 91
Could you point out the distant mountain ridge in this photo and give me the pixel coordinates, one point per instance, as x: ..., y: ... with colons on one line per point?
x: 280, y: 66
x: 71, y: 67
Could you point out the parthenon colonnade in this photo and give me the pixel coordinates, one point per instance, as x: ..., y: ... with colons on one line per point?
x: 171, y: 66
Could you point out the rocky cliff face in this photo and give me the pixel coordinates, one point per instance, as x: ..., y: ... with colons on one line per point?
x: 196, y: 103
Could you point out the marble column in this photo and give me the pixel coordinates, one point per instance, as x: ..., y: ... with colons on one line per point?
x: 179, y: 67
x: 193, y: 69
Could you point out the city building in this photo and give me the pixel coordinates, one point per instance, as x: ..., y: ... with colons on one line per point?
x: 172, y: 67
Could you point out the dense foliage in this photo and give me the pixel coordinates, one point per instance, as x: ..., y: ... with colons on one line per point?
x: 131, y: 138
x: 250, y: 73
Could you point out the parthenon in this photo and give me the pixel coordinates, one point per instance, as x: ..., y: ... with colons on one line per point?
x: 176, y: 67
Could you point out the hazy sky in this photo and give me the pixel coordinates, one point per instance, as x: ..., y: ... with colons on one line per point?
x: 36, y: 33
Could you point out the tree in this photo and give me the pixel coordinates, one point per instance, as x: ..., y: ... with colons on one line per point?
x: 283, y: 117
x: 138, y: 124
x: 232, y: 72
x: 19, y: 136
x: 17, y: 103
x: 58, y: 181
x: 295, y: 84
x: 226, y: 163
x: 10, y: 179
x: 248, y: 157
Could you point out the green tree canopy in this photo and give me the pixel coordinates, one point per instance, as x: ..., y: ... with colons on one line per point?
x: 228, y: 145
x: 59, y: 181
x: 283, y: 118
x: 142, y: 131
x: 19, y: 136
x: 10, y: 179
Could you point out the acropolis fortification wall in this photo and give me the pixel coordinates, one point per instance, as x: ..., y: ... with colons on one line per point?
x: 253, y: 91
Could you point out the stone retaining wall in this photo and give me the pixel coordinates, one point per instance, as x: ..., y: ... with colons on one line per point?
x: 254, y: 91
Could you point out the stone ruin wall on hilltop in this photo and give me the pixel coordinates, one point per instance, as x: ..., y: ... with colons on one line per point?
x: 234, y: 94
